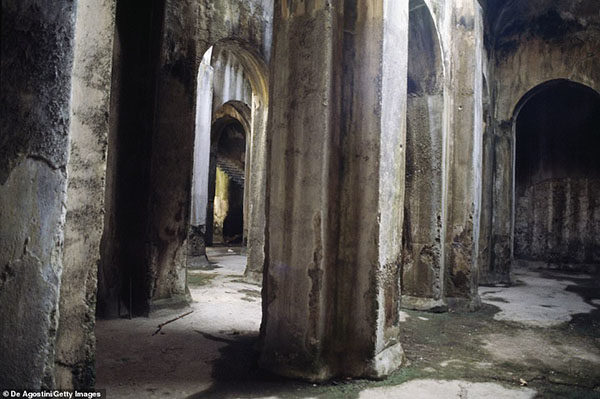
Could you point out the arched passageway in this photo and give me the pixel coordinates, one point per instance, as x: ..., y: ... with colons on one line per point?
x: 228, y: 136
x: 422, y: 273
x: 557, y: 175
x: 226, y: 186
x: 231, y: 109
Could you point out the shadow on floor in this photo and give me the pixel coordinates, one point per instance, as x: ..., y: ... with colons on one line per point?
x: 236, y: 373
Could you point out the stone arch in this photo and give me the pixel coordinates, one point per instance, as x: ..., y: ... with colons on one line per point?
x: 230, y: 113
x: 425, y: 61
x: 556, y: 175
x: 423, y: 259
x: 228, y: 165
x: 523, y: 100
x: 253, y: 63
x: 252, y: 114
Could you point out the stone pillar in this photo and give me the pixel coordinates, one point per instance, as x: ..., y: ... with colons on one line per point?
x: 90, y: 105
x: 503, y: 202
x: 487, y: 273
x: 37, y: 55
x: 172, y: 155
x: 423, y: 256
x: 335, y: 189
x: 465, y: 156
x: 256, y: 190
x: 204, y: 104
x: 123, y: 272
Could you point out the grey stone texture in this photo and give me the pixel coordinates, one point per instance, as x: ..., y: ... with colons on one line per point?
x: 381, y: 164
x: 86, y: 170
x: 548, y: 41
x: 37, y: 55
x: 333, y: 238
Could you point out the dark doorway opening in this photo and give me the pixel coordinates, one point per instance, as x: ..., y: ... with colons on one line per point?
x: 226, y: 186
x: 557, y: 176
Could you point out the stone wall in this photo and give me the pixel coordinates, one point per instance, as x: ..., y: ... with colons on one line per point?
x: 558, y: 222
x: 546, y: 41
x: 557, y: 219
x: 37, y: 53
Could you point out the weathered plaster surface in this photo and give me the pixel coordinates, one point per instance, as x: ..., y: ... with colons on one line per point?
x: 298, y: 194
x: 334, y: 237
x: 37, y: 54
x: 423, y: 259
x: 464, y: 155
x: 75, y: 347
x: 545, y: 41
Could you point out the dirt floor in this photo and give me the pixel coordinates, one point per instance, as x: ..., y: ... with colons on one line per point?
x: 538, y: 338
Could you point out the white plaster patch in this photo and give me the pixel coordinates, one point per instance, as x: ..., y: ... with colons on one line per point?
x: 483, y: 365
x: 539, y: 301
x: 423, y: 318
x: 435, y: 389
x: 446, y: 363
x: 403, y: 316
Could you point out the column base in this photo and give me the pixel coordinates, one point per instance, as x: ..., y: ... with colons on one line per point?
x: 380, y: 367
x: 386, y: 362
x: 423, y: 304
x: 464, y: 304
x: 198, y: 263
x: 196, y: 245
x: 253, y: 277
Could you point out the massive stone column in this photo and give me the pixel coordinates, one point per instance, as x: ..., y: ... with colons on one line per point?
x: 335, y: 189
x: 90, y: 105
x: 199, y: 198
x: 172, y: 155
x: 502, y: 203
x: 423, y: 256
x: 488, y: 274
x: 465, y: 156
x: 123, y: 275
x: 37, y: 55
x: 257, y: 176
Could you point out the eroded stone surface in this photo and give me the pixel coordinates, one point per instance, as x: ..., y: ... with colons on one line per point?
x: 37, y: 55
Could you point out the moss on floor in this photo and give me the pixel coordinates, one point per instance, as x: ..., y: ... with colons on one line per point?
x: 447, y: 346
x: 198, y: 278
